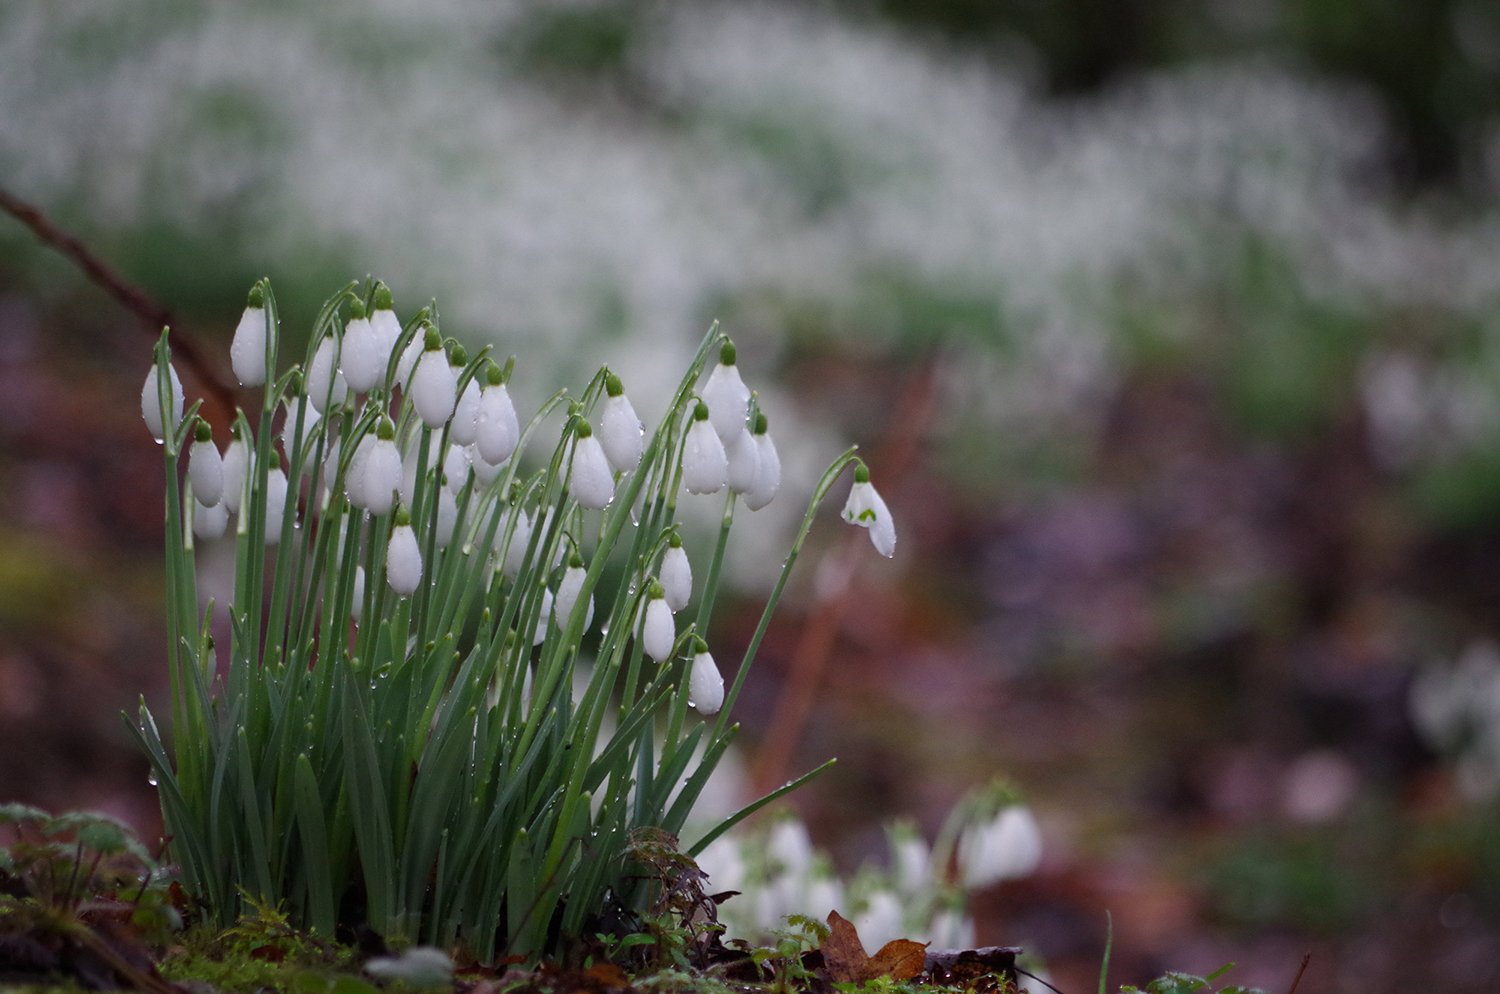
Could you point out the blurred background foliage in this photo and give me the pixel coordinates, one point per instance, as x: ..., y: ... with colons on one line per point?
x: 1171, y: 331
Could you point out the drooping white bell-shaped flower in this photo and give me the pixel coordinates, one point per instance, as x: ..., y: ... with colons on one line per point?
x: 151, y: 402
x: 485, y: 472
x: 276, y: 487
x: 386, y: 325
x: 590, y: 480
x: 658, y: 628
x: 291, y: 410
x: 354, y: 474
x: 768, y: 467
x: 866, y: 509
x: 790, y: 847
x: 357, y: 600
x: 911, y: 860
x: 247, y: 350
x: 209, y: 522
x: 676, y: 575
x: 434, y: 387
x: 881, y: 920
x: 544, y: 620
x: 744, y: 462
x: 447, y: 516
x: 705, y: 684
x: 455, y: 468
x: 379, y: 470
x: 621, y: 432
x: 568, y: 589
x: 726, y: 395
x: 465, y: 428
x: 497, y: 430
x: 407, y: 364
x: 362, y: 360
x: 705, y: 467
x: 236, y: 469
x: 403, y: 559
x: 1005, y: 847
x: 205, y: 466
x: 515, y: 552
x: 325, y: 384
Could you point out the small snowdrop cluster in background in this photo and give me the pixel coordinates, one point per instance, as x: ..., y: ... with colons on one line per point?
x: 920, y: 892
x: 1456, y: 708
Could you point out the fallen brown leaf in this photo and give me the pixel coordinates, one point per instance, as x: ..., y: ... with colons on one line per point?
x: 846, y: 961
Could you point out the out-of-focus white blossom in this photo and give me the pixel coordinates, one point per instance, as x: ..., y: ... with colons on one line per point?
x: 276, y: 486
x: 209, y: 521
x: 236, y: 468
x: 290, y: 411
x: 568, y: 589
x: 880, y: 921
x: 515, y: 552
x: 1006, y: 847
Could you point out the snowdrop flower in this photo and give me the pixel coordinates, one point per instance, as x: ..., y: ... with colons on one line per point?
x: 209, y: 521
x: 385, y: 324
x: 880, y: 921
x: 621, y: 432
x: 866, y: 509
x: 705, y: 467
x: 789, y: 846
x: 151, y: 402
x: 744, y: 462
x: 420, y: 966
x: 951, y: 929
x: 726, y: 395
x: 357, y: 600
x: 205, y: 466
x: 289, y: 415
x: 236, y: 468
x: 325, y: 384
x: 767, y: 467
x: 465, y: 427
x: 485, y: 472
x: 275, y: 504
x: 543, y: 621
x: 1004, y: 847
x: 497, y: 430
x: 447, y: 516
x: 676, y: 575
x: 520, y: 537
x: 247, y: 350
x: 910, y: 860
x: 456, y: 468
x: 377, y: 471
x: 705, y: 685
x: 823, y: 895
x: 568, y: 589
x: 407, y: 364
x: 362, y: 359
x: 434, y: 388
x: 658, y: 630
x: 590, y: 480
x: 403, y: 560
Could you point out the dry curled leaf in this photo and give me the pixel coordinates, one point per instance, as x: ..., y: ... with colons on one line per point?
x: 846, y: 961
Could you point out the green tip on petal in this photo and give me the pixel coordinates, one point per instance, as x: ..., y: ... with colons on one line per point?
x: 700, y: 412
x: 256, y: 297
x: 492, y: 374
x: 675, y: 541
x: 654, y: 591
x: 861, y: 473
x: 202, y: 433
x: 575, y: 561
x: 612, y: 385
x: 356, y: 309
x: 383, y: 298
x: 403, y: 516
x: 431, y: 340
x: 726, y: 353
x: 457, y: 354
x: 761, y: 424
x: 386, y: 431
x: 584, y: 430
x: 699, y: 645
x: 294, y: 383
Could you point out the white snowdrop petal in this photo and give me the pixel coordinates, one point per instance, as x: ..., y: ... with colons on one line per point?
x: 361, y: 359
x: 151, y: 402
x: 728, y: 401
x: 705, y: 685
x: 676, y: 578
x: 206, y: 471
x: 447, y: 516
x: 276, y: 487
x: 659, y: 630
x: 568, y: 589
x: 705, y: 467
x: 465, y: 427
x: 744, y: 462
x: 357, y: 603
x: 880, y: 922
x: 789, y: 845
x: 380, y: 475
x: 485, y: 472
x: 544, y: 620
x: 289, y: 414
x: 407, y: 364
x: 590, y: 481
x: 455, y: 467
x: 867, y: 509
x: 387, y: 328
x: 515, y: 552
x: 236, y: 467
x: 498, y: 430
x: 434, y: 388
x: 247, y: 350
x: 768, y: 473
x: 622, y: 434
x: 209, y: 522
x: 403, y: 561
x: 354, y: 475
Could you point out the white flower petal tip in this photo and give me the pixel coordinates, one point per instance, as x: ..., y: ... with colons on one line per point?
x: 568, y: 590
x: 659, y: 630
x: 206, y: 470
x: 403, y: 561
x: 727, y: 397
x: 276, y: 495
x: 867, y: 509
x: 209, y: 522
x: 705, y: 685
x: 362, y: 360
x: 676, y: 577
x: 434, y: 388
x: 151, y: 403
x: 705, y: 466
x: 591, y: 481
x: 744, y: 462
x: 768, y: 473
x: 247, y: 350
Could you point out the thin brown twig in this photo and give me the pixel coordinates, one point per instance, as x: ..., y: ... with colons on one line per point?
x: 1306, y: 958
x: 153, y: 314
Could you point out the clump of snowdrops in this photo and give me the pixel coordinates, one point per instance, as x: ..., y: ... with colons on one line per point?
x: 392, y: 735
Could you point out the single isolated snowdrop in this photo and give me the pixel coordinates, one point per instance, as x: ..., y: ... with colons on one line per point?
x: 151, y: 402
x: 497, y: 430
x: 676, y: 575
x: 403, y: 560
x: 705, y: 467
x: 590, y: 480
x: 362, y: 359
x: 866, y: 509
x: 205, y: 466
x: 726, y: 395
x: 705, y: 684
x: 767, y: 467
x: 434, y: 387
x: 658, y: 629
x: 247, y: 350
x: 326, y: 387
x: 621, y: 432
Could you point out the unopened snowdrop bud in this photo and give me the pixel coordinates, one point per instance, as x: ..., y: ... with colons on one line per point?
x: 403, y: 560
x: 485, y: 472
x: 291, y: 411
x: 151, y: 403
x: 705, y: 468
x: 568, y: 589
x: 465, y: 428
x: 455, y: 468
x: 276, y: 486
x: 744, y: 462
x: 620, y: 431
x: 236, y: 468
x: 357, y: 602
x: 434, y: 388
x: 379, y: 470
x: 590, y: 480
x: 676, y: 575
x: 247, y: 350
x: 866, y: 509
x: 497, y: 430
x: 658, y: 630
x: 325, y: 384
x: 727, y: 396
x: 447, y: 516
x: 1005, y: 847
x: 767, y: 467
x: 205, y: 466
x: 705, y: 685
x: 209, y: 522
x: 362, y: 359
x: 515, y: 552
x: 386, y: 325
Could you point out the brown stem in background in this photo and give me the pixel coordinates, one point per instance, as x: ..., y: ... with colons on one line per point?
x: 154, y: 315
x: 810, y: 657
x: 1306, y: 959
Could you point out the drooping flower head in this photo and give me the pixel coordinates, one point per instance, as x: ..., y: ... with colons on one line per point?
x: 726, y: 395
x: 151, y: 402
x: 247, y: 350
x: 589, y: 480
x: 465, y: 425
x: 434, y: 388
x: 497, y: 430
x: 362, y: 359
x: 403, y: 559
x: 705, y: 684
x: 676, y: 575
x: 620, y: 431
x: 866, y: 509
x: 658, y: 629
x: 205, y: 466
x: 768, y: 467
x: 326, y: 387
x: 705, y: 467
x: 386, y: 325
